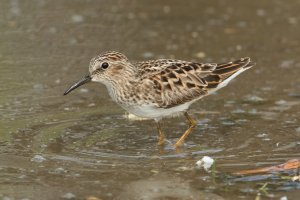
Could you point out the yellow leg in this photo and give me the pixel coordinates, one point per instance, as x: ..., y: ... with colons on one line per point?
x: 161, y: 139
x: 192, y: 124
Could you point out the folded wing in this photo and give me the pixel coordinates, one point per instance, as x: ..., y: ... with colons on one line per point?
x: 179, y: 82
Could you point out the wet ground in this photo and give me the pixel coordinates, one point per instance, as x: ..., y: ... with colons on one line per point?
x: 80, y: 145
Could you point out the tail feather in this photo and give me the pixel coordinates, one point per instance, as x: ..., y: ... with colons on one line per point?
x: 225, y: 72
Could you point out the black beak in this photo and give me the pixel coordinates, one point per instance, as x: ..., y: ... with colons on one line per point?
x: 84, y: 80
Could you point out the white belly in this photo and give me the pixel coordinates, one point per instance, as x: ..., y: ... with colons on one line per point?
x: 153, y: 112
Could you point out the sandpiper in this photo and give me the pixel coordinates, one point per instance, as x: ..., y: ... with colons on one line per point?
x: 161, y: 88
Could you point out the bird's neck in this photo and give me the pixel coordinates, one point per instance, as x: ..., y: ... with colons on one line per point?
x: 122, y: 86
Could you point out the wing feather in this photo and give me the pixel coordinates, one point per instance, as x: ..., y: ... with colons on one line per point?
x: 180, y: 81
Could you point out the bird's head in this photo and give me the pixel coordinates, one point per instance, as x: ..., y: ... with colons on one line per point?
x: 106, y: 68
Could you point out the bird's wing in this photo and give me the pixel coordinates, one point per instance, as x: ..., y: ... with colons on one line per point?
x: 179, y: 82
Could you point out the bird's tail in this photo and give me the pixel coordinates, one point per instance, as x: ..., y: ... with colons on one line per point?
x: 225, y: 72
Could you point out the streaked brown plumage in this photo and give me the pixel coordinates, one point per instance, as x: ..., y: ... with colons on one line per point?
x: 160, y: 88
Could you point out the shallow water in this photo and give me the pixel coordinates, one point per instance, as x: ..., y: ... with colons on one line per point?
x: 80, y: 145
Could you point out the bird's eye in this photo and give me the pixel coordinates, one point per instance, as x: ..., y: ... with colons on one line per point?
x: 104, y: 65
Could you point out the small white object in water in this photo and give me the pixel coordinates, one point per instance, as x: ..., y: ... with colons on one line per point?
x: 200, y: 54
x: 148, y: 55
x: 284, y: 198
x: 38, y: 159
x: 296, y: 178
x: 77, y: 18
x: 69, y: 195
x: 206, y: 162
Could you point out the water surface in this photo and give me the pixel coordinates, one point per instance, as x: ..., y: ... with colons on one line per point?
x: 80, y: 145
